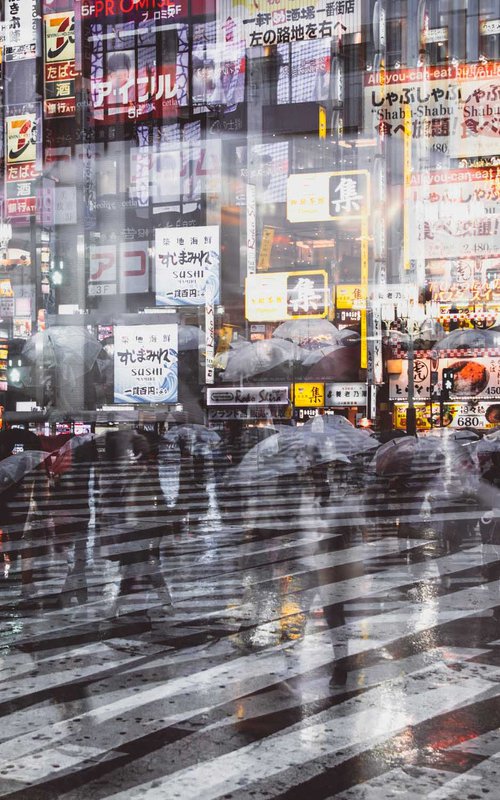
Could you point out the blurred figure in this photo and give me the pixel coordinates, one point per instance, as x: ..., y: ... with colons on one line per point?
x: 72, y: 501
x: 128, y: 498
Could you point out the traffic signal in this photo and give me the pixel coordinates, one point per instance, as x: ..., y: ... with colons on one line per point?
x: 448, y: 382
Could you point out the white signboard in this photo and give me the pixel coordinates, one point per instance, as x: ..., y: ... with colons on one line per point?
x: 398, y: 384
x: 455, y: 213
x: 271, y: 22
x: 187, y: 265
x: 453, y: 108
x: 19, y: 22
x: 276, y: 296
x: 146, y: 359
x: 245, y: 395
x: 209, y: 340
x: 318, y: 196
x: 251, y: 230
x: 65, y: 205
x: 345, y: 394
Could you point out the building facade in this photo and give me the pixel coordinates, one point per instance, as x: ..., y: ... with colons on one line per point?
x: 250, y: 211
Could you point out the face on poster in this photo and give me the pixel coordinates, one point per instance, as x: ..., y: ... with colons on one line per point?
x: 146, y: 364
x: 187, y: 265
x: 127, y: 93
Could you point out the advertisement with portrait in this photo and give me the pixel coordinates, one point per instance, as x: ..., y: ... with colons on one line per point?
x: 267, y: 168
x: 146, y: 364
x: 453, y: 107
x: 128, y: 92
x: 306, y: 76
x: 218, y: 75
x: 187, y: 265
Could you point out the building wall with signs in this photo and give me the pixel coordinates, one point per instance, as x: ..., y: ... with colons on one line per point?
x: 306, y: 192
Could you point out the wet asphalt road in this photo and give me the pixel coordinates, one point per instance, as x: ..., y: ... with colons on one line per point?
x: 347, y: 650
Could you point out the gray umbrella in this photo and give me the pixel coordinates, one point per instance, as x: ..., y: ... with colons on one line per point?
x: 14, y: 468
x: 190, y: 337
x: 286, y: 453
x: 309, y: 333
x: 71, y: 350
x: 256, y: 357
x: 470, y: 337
x: 347, y: 439
x: 192, y: 434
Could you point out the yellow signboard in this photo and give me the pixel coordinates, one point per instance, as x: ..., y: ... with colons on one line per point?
x: 309, y: 395
x: 350, y: 296
x: 322, y: 122
x: 266, y: 247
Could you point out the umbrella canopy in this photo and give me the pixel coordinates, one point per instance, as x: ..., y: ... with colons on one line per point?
x: 256, y: 357
x: 62, y: 458
x: 72, y: 350
x: 308, y: 333
x: 409, y: 456
x: 14, y: 468
x: 190, y: 337
x: 191, y: 435
x: 286, y: 453
x: 347, y: 439
x: 469, y: 338
x: 341, y: 364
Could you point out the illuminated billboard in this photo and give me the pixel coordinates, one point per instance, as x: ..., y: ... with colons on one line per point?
x: 277, y: 296
x: 455, y: 108
x: 322, y: 196
x: 455, y: 213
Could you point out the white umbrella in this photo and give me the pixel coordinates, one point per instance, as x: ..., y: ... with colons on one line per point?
x: 256, y: 357
x: 308, y: 333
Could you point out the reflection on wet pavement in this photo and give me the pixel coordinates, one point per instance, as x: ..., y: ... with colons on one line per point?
x: 169, y: 634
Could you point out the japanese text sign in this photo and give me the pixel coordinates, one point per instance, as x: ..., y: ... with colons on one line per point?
x: 279, y: 296
x: 187, y: 265
x: 146, y: 364
x: 322, y: 196
x: 60, y: 64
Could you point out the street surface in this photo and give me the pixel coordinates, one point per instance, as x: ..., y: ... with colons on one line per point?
x: 345, y: 648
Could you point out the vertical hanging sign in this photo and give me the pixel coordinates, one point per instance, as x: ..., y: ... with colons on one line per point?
x: 209, y: 337
x: 60, y: 64
x: 21, y: 171
x: 251, y: 230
